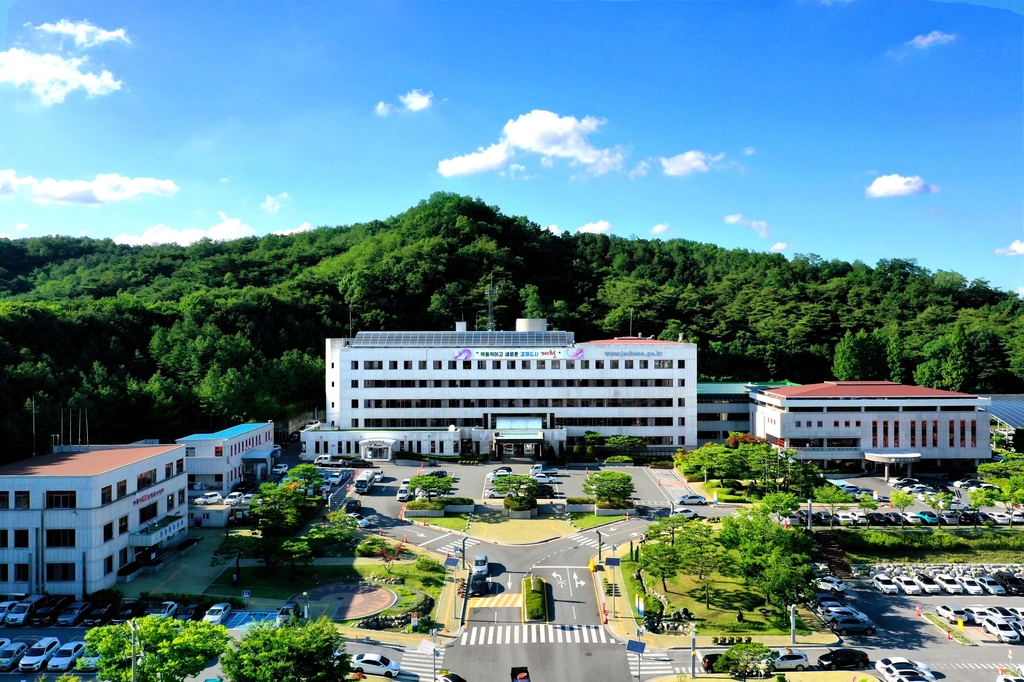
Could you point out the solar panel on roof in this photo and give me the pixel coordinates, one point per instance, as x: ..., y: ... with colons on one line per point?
x: 1008, y: 408
x: 463, y: 339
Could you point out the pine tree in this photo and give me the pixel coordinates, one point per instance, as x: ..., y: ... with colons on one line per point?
x: 959, y: 372
x: 844, y: 362
x: 896, y: 357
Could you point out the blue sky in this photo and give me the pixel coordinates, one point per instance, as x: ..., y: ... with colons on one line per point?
x: 861, y: 129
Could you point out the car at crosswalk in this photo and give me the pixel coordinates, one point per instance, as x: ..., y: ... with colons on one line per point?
x: 375, y: 664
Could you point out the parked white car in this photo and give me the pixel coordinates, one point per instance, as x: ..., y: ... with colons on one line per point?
x: 990, y: 584
x: 845, y: 519
x: 884, y: 584
x: 1000, y: 629
x: 927, y: 584
x: 543, y: 478
x: 66, y: 657
x: 208, y: 498
x: 792, y: 659
x: 971, y: 586
x: 1000, y: 518
x: 912, y: 519
x: 951, y: 613
x: 949, y: 584
x: 903, y: 672
x: 334, y: 478
x: 883, y: 663
x: 907, y: 584
x: 831, y: 584
x: 361, y: 521
x: 38, y: 655
x: 279, y: 469
x: 691, y: 499
x: 218, y: 614
x: 403, y: 494
x: 975, y: 614
x: 234, y: 498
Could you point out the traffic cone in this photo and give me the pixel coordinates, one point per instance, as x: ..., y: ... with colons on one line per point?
x: 406, y: 540
x: 949, y: 635
x: 917, y: 609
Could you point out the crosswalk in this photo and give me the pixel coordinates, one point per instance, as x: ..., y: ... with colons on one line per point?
x: 505, y: 600
x: 654, y: 666
x: 455, y: 547
x: 585, y: 540
x: 535, y: 634
x: 418, y: 664
x: 974, y: 666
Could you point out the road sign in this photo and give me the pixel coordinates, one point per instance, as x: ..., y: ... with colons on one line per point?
x: 414, y: 618
x: 425, y: 647
x: 451, y: 562
x: 639, y: 605
x: 960, y: 624
x: 637, y: 647
x: 612, y: 561
x: 246, y: 594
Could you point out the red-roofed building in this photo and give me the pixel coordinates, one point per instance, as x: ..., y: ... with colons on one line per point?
x: 876, y: 423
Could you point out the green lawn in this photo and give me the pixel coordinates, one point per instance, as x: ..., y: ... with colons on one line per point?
x: 583, y: 520
x: 933, y: 545
x: 456, y: 522
x: 728, y: 595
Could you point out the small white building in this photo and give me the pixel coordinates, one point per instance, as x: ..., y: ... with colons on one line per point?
x: 515, y: 393
x: 219, y: 461
x: 876, y: 423
x: 70, y: 520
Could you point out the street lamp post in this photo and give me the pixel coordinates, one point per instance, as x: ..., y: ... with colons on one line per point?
x: 464, y: 565
x: 133, y: 626
x: 306, y: 613
x: 598, y: 545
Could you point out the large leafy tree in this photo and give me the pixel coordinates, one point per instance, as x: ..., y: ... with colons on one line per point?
x: 278, y: 509
x: 660, y: 561
x: 609, y: 486
x: 166, y: 650
x: 303, y: 652
x: 832, y: 498
x: 433, y: 486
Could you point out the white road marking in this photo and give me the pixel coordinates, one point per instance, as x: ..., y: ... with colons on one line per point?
x: 440, y: 537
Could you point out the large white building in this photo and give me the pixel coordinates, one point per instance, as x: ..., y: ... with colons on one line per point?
x: 508, y: 392
x: 219, y: 461
x: 875, y: 423
x: 69, y: 521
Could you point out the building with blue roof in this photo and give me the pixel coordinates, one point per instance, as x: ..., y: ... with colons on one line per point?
x: 220, y: 461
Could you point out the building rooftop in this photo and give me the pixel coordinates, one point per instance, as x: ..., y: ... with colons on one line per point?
x: 88, y: 463
x: 628, y: 339
x: 224, y: 434
x: 1007, y: 408
x: 737, y: 387
x: 862, y: 389
x: 463, y: 340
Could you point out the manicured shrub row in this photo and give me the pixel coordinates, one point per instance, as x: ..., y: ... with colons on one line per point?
x: 580, y: 500
x: 535, y: 598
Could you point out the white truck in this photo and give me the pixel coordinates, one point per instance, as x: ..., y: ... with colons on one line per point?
x: 543, y: 470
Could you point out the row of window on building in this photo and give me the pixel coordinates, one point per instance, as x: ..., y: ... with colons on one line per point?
x: 68, y: 499
x: 519, y: 383
x: 455, y: 403
x: 954, y: 435
x: 521, y: 364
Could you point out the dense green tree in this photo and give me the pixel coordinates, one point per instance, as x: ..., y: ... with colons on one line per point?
x: 746, y: 660
x: 660, y: 561
x: 433, y: 486
x: 166, y: 650
x: 609, y: 486
x: 303, y: 652
x: 860, y: 356
x: 832, y: 498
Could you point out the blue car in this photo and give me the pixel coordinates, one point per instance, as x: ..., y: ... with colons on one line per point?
x: 928, y: 517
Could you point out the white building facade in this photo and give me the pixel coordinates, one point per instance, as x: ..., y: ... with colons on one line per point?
x: 877, y: 423
x: 70, y: 521
x: 509, y: 392
x: 219, y: 461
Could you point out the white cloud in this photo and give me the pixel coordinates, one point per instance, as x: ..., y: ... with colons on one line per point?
x: 689, y: 162
x: 52, y: 77
x: 228, y: 228
x: 272, y: 204
x: 105, y: 189
x: 898, y: 186
x: 304, y: 227
x: 383, y: 109
x: 84, y: 33
x: 225, y: 180
x: 749, y: 151
x: 21, y: 226
x: 923, y: 42
x: 659, y: 228
x: 1020, y: 291
x: 4, y: 235
x: 416, y: 100
x: 758, y: 226
x: 779, y: 247
x: 1014, y: 249
x: 553, y: 229
x: 600, y: 227
x: 10, y: 182
x: 545, y: 133
x: 640, y: 170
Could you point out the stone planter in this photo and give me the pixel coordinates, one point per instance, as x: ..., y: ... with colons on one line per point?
x: 130, y: 577
x: 460, y: 508
x: 433, y: 513
x: 408, y: 463
x: 530, y: 514
x: 580, y: 508
x: 615, y: 512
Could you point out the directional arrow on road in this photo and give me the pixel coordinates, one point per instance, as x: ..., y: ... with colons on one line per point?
x: 576, y: 580
x: 558, y: 579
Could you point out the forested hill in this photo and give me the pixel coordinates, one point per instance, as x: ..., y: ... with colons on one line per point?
x: 157, y: 341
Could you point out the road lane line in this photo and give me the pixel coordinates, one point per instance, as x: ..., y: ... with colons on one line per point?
x: 559, y: 631
x: 576, y: 633
x: 465, y: 636
x: 586, y: 638
x: 441, y: 537
x: 490, y: 634
x: 603, y: 640
x: 551, y: 634
x: 541, y: 634
x: 508, y: 634
x: 472, y: 637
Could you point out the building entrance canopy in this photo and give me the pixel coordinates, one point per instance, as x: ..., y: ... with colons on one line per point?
x: 892, y: 457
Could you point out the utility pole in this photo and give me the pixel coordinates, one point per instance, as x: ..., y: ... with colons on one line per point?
x: 33, y: 425
x: 464, y: 565
x: 133, y: 627
x: 491, y: 293
x: 599, y: 543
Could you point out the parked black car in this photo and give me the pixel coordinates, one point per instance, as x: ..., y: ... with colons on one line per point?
x: 1011, y: 583
x: 895, y: 518
x: 129, y: 609
x: 352, y: 506
x: 546, y: 491
x: 478, y: 585
x: 357, y: 463
x: 47, y: 614
x: 708, y: 662
x: 74, y: 614
x: 191, y: 612
x: 99, y: 615
x: 843, y: 658
x: 878, y: 519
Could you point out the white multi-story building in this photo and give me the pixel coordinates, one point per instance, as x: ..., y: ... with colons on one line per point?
x: 509, y: 392
x: 219, y: 461
x: 875, y: 423
x: 726, y: 407
x: 70, y: 520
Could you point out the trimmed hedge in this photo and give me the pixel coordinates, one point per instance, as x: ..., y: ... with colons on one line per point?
x: 619, y: 459
x: 899, y: 542
x: 535, y: 598
x: 458, y: 501
x: 580, y: 500
x: 618, y: 504
x: 426, y: 505
x: 520, y: 503
x: 370, y: 545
